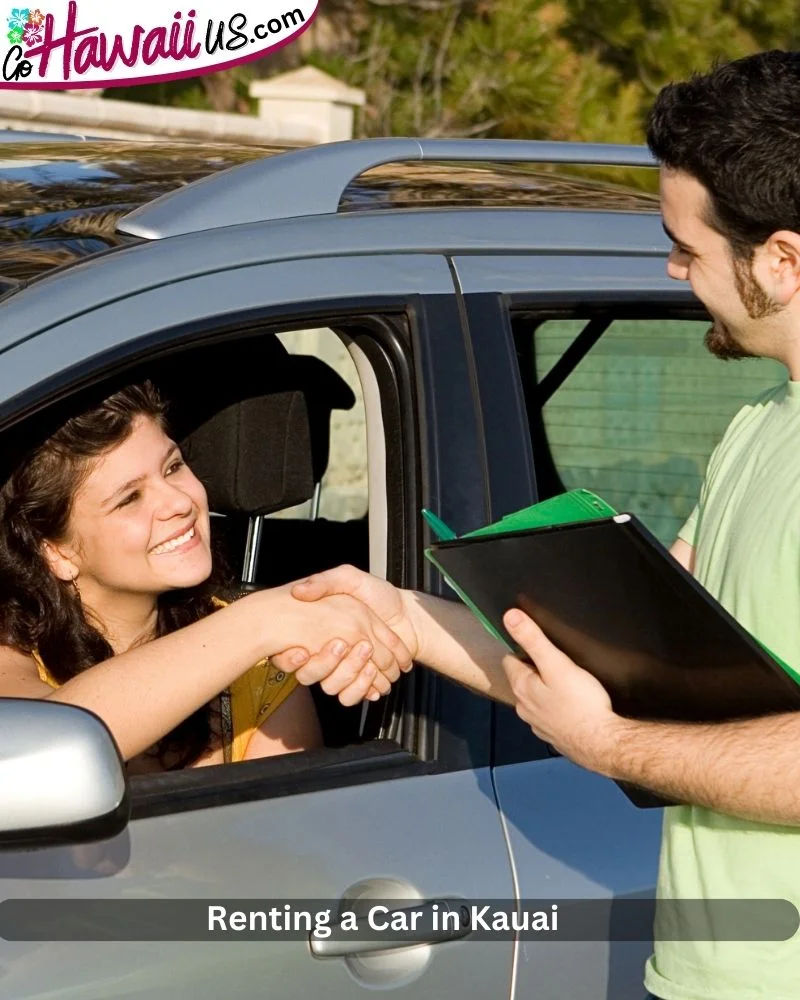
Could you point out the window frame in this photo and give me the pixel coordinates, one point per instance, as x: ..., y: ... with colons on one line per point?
x: 513, y: 740
x: 387, y: 348
x: 584, y: 309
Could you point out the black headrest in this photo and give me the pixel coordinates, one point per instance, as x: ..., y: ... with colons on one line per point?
x: 323, y: 391
x: 252, y: 419
x: 255, y: 425
x: 254, y: 456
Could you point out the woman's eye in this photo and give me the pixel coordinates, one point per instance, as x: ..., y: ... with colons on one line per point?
x: 177, y: 464
x: 128, y: 499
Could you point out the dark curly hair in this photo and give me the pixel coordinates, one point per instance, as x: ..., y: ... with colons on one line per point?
x: 40, y: 612
x: 737, y: 131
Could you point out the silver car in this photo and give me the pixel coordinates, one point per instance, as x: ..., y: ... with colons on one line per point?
x: 465, y: 330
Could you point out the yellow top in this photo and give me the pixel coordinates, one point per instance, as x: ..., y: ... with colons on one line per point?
x: 254, y: 697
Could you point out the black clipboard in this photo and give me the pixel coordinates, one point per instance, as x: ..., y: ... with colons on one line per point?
x: 612, y: 598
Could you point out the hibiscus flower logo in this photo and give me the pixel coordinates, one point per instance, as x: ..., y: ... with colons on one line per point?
x: 18, y: 18
x: 32, y: 34
x: 25, y: 26
x: 17, y: 21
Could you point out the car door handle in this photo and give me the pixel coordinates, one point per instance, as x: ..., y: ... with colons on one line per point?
x: 341, y: 943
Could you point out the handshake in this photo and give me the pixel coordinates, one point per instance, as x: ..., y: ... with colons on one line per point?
x: 381, y: 630
x: 375, y: 635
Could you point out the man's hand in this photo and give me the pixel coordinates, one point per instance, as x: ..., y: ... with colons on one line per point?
x: 381, y: 597
x: 562, y: 703
x: 346, y: 671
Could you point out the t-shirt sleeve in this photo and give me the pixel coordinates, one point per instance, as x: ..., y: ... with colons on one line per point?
x: 688, y: 532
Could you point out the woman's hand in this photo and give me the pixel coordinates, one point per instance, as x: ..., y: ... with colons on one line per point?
x: 385, y: 600
x: 362, y: 660
x: 351, y: 673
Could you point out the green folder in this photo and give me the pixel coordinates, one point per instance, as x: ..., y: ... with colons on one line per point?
x: 567, y: 508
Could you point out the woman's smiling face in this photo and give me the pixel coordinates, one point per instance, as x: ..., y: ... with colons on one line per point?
x: 139, y: 522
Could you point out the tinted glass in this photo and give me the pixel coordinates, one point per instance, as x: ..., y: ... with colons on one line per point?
x: 638, y: 417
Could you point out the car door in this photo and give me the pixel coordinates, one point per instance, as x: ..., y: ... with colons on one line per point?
x: 572, y: 834
x: 374, y: 820
x: 609, y: 387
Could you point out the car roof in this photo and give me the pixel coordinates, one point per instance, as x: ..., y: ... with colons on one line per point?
x: 61, y: 201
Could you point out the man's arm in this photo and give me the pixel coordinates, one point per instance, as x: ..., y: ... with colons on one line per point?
x: 442, y: 634
x: 749, y: 769
x: 684, y: 553
x: 455, y: 644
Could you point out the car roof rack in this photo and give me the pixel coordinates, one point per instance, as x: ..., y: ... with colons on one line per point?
x: 311, y: 181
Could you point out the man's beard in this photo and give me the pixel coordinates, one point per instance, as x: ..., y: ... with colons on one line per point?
x: 722, y: 344
x: 719, y: 340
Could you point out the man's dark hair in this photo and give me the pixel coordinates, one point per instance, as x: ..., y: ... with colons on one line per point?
x: 737, y: 131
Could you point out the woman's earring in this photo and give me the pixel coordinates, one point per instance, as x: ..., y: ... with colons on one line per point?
x: 74, y: 582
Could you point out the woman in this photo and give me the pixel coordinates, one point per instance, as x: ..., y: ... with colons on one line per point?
x: 109, y: 599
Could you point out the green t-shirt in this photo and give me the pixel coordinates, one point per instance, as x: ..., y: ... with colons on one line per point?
x: 746, y: 534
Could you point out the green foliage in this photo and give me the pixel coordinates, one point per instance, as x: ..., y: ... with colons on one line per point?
x: 571, y: 69
x: 459, y: 69
x: 462, y: 69
x: 772, y: 25
x: 563, y: 69
x: 654, y: 41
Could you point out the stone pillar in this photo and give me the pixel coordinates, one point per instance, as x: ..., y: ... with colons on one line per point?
x: 308, y: 101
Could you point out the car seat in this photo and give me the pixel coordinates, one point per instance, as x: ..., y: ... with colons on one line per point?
x: 253, y: 422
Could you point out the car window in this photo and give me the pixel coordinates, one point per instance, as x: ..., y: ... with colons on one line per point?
x: 637, y: 417
x: 344, y: 372
x: 343, y: 491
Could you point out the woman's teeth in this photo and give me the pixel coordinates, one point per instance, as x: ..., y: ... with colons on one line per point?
x: 173, y: 543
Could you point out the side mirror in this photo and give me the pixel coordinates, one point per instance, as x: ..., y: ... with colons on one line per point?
x: 62, y: 779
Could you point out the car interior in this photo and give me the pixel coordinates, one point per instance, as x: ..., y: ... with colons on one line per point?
x: 254, y: 424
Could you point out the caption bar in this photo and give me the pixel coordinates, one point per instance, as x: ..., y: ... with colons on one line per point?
x: 393, y: 920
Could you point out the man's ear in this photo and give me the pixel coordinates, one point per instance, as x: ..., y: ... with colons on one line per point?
x: 61, y: 560
x: 781, y: 261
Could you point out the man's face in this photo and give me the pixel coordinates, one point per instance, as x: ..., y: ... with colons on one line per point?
x: 727, y: 287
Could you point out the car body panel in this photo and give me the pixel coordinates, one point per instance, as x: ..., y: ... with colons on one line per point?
x: 570, y: 830
x: 312, y: 846
x: 315, y: 845
x: 574, y: 835
x: 137, y: 319
x: 615, y: 275
x: 127, y: 270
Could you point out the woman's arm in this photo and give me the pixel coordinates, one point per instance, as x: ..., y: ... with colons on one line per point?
x: 144, y: 693
x: 442, y: 634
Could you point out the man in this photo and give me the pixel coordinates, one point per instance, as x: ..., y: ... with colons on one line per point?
x: 729, y: 148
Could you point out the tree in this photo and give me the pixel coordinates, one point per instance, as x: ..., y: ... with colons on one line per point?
x: 561, y: 69
x: 453, y: 67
